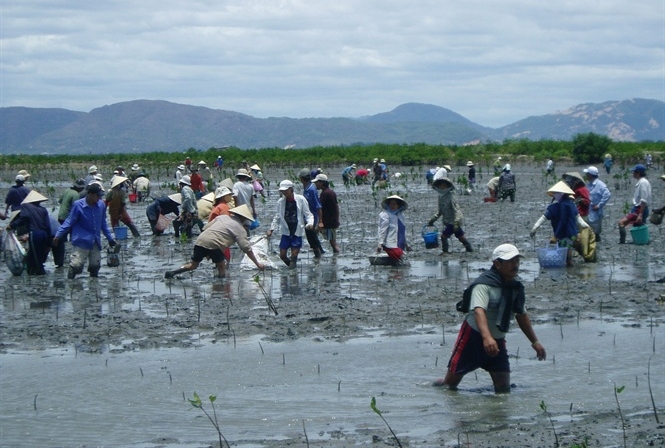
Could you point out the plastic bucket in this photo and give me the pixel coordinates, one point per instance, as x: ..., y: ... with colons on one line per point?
x: 431, y: 238
x: 120, y: 233
x: 640, y: 234
x: 132, y: 198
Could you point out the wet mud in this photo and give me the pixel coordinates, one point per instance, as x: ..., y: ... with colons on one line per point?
x: 342, y: 297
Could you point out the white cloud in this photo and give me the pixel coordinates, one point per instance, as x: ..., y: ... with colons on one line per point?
x: 492, y: 61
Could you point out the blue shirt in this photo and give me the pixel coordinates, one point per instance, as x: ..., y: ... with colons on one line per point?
x: 85, y: 223
x: 15, y: 196
x: 563, y: 216
x: 312, y: 197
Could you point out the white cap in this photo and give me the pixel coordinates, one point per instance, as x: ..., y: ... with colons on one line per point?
x: 322, y: 177
x: 92, y: 169
x: 20, y: 178
x: 592, y: 170
x: 285, y: 185
x: 505, y: 252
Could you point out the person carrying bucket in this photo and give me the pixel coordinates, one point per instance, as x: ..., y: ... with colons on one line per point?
x: 451, y: 214
x: 117, y: 200
x: 565, y: 218
x: 641, y: 199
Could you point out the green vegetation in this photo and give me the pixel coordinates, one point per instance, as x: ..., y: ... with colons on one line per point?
x: 584, y: 148
x: 378, y: 412
x: 198, y: 404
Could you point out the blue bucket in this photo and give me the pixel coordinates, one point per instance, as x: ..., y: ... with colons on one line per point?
x: 120, y: 233
x: 431, y: 237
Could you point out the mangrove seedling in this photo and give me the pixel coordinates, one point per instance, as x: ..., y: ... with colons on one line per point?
x: 378, y: 412
x: 543, y: 406
x: 271, y: 305
x: 198, y: 404
x: 617, y: 391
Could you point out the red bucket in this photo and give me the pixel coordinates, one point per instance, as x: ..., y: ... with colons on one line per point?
x: 133, y: 197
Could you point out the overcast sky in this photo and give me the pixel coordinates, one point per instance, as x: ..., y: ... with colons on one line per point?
x: 493, y: 61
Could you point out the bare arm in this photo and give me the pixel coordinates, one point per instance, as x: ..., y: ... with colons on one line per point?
x: 491, y: 347
x: 525, y: 325
x: 252, y: 257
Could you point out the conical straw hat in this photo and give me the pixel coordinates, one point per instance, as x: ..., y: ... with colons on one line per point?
x: 244, y: 211
x: 404, y: 204
x: 176, y: 197
x: 34, y: 196
x: 560, y: 187
x: 210, y: 197
x: 117, y: 180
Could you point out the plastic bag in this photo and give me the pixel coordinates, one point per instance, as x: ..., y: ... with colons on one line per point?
x: 260, y: 249
x: 656, y: 218
x: 163, y: 223
x: 14, y: 253
x: 112, y: 256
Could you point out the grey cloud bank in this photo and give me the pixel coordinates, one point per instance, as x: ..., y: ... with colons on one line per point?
x: 493, y: 62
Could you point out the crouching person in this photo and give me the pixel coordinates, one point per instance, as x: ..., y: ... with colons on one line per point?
x: 85, y: 222
x: 218, y: 235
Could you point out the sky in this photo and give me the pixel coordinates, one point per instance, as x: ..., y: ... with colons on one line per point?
x: 492, y: 61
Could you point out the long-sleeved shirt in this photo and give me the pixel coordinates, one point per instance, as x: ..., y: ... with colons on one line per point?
x: 69, y: 196
x: 86, y: 222
x: 312, y: 197
x: 161, y: 206
x: 448, y: 210
x: 15, y: 196
x: 304, y: 216
x: 222, y: 232
x: 599, y: 195
x: 392, y: 230
x: 188, y: 200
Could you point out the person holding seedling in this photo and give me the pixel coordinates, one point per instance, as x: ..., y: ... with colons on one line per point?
x: 189, y: 214
x: 392, y: 228
x: 348, y: 173
x: 160, y: 207
x: 217, y: 236
x: 293, y: 217
x: 450, y: 213
x: 490, y: 303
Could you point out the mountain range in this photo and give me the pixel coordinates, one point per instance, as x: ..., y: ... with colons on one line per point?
x: 154, y: 125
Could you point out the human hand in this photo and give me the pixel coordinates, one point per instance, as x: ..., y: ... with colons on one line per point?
x: 491, y: 347
x: 261, y: 266
x: 54, y: 242
x: 309, y: 226
x: 430, y: 223
x: 532, y: 234
x: 540, y: 351
x: 379, y: 249
x: 112, y: 243
x: 408, y: 248
x: 268, y: 233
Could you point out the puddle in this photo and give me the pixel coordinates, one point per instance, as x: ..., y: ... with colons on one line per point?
x: 265, y: 390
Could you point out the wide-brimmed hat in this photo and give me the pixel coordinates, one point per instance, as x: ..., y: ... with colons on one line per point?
x: 228, y: 183
x: 79, y: 183
x: 353, y: 165
x: 118, y: 180
x: 573, y: 174
x: 560, y: 187
x: 176, y: 197
x: 321, y: 177
x: 447, y: 168
x: 202, y: 162
x: 639, y: 168
x: 24, y: 173
x: 506, y: 167
x: 255, y: 167
x: 220, y: 192
x: 438, y: 181
x: 120, y: 168
x: 382, y: 161
x: 210, y: 197
x: 305, y: 174
x: 505, y: 252
x: 608, y: 156
x: 376, y: 160
x: 592, y: 170
x: 469, y: 163
x: 181, y: 167
x: 186, y: 180
x: 34, y: 196
x: 92, y: 169
x: 136, y: 167
x: 384, y: 203
x: 285, y: 185
x: 244, y: 211
x: 13, y: 215
x: 242, y: 172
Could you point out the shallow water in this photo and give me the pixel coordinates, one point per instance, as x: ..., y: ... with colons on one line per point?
x: 266, y: 390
